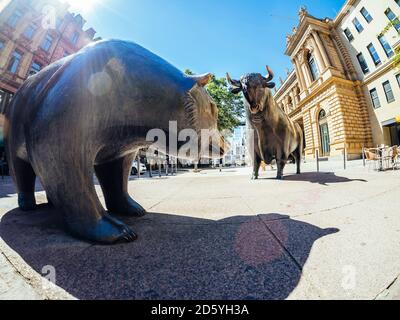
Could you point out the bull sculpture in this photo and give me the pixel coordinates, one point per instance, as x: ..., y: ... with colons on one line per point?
x: 90, y: 113
x: 276, y: 137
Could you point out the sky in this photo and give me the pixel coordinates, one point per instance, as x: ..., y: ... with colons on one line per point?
x: 238, y: 36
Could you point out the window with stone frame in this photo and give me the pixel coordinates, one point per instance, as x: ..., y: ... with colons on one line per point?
x: 35, y: 68
x: 367, y: 16
x: 388, y: 91
x: 30, y: 31
x: 386, y: 46
x: 312, y: 64
x: 47, y: 43
x: 393, y: 18
x: 75, y: 38
x: 363, y: 63
x: 14, y: 62
x: 375, y: 98
x: 374, y: 54
x: 14, y: 18
x: 398, y: 77
x: 348, y: 34
x: 358, y: 25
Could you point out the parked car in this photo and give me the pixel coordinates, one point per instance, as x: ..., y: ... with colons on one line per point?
x: 134, y: 171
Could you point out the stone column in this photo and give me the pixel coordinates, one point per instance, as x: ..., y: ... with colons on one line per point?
x: 293, y: 96
x: 300, y: 75
x: 307, y: 73
x: 321, y: 48
x: 318, y: 56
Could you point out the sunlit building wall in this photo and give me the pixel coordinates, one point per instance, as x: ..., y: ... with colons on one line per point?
x: 33, y: 34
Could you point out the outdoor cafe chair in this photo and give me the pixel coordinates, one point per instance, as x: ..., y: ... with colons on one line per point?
x: 395, y: 157
x: 386, y: 157
x: 372, y: 157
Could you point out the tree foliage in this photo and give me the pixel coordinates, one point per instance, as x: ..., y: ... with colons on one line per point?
x: 230, y: 106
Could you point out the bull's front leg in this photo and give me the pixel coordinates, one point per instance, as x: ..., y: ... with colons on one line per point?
x: 281, y: 166
x: 256, y: 167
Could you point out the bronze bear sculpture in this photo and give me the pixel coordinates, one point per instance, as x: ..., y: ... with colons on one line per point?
x: 88, y: 114
x: 276, y: 136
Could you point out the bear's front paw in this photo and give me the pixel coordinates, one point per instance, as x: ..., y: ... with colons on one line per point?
x: 107, y: 230
x: 127, y: 207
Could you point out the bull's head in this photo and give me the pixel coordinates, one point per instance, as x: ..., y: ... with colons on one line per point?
x: 255, y: 88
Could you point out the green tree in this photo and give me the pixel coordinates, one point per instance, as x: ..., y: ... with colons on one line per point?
x: 230, y: 106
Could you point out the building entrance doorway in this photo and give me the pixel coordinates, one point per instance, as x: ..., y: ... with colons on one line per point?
x: 395, y: 134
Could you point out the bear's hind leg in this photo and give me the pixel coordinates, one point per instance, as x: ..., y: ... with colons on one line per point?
x: 113, y: 177
x: 72, y: 192
x: 24, y: 178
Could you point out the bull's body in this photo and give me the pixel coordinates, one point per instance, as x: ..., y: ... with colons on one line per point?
x: 276, y: 137
x: 90, y: 113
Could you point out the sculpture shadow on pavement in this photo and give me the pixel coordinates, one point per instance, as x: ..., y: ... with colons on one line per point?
x: 176, y: 257
x: 322, y: 178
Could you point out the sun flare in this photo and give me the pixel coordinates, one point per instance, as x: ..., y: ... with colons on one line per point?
x: 82, y: 6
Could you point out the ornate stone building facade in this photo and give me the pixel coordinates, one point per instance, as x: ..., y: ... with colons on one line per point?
x: 360, y: 24
x: 33, y: 34
x: 324, y: 93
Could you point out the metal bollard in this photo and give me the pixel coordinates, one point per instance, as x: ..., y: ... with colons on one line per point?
x: 138, y: 167
x: 151, y: 169
x: 345, y: 158
x: 317, y: 159
x: 363, y: 156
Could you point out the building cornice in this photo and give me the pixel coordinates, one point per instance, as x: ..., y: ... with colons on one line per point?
x: 379, y: 72
x: 292, y: 78
x: 331, y: 81
x: 307, y: 24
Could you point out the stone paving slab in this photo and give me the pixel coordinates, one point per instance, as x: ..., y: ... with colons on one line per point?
x: 13, y: 285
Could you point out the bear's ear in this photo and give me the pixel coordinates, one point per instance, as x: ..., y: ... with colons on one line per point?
x: 202, y: 80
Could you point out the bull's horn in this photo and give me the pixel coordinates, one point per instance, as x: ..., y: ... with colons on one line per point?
x: 202, y: 80
x: 270, y: 75
x: 233, y: 83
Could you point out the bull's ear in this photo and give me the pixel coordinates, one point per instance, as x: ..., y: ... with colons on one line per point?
x: 235, y: 90
x: 271, y: 85
x: 202, y: 80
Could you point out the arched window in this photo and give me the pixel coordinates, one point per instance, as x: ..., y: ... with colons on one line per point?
x: 312, y: 64
x: 322, y: 115
x: 324, y: 133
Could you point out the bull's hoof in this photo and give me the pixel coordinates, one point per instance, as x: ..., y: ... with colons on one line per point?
x: 107, y: 230
x: 279, y: 178
x: 254, y: 177
x: 27, y: 201
x: 127, y: 207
